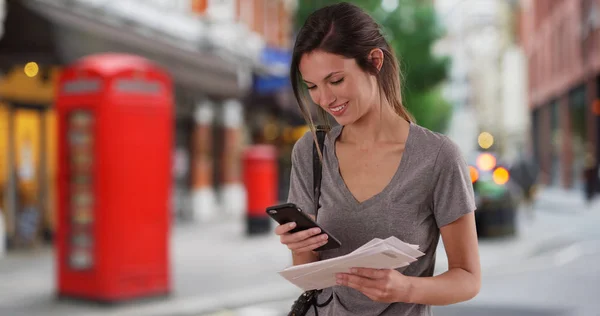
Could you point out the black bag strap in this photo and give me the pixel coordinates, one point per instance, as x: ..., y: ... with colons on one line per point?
x: 317, y: 175
x: 318, y: 167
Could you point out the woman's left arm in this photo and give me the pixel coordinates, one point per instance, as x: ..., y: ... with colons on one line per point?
x: 462, y: 281
x: 453, y: 209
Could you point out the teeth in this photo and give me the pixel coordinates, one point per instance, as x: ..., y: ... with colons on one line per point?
x: 339, y: 108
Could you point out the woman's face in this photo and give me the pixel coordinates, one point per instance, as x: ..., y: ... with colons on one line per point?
x: 338, y: 85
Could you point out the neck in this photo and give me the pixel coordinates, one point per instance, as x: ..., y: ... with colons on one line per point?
x: 381, y: 125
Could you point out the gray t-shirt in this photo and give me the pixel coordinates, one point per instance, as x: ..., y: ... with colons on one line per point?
x: 431, y: 188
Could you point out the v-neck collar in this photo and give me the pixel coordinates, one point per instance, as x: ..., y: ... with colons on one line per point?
x: 339, y: 180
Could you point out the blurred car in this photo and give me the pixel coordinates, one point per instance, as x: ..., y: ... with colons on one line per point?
x: 496, y: 198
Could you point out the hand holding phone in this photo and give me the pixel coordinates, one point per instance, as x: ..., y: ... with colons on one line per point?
x: 299, y: 231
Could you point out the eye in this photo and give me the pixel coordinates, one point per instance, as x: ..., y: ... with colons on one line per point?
x: 337, y: 82
x: 311, y: 87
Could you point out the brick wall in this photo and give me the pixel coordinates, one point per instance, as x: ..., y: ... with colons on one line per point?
x: 552, y: 36
x: 563, y: 53
x: 269, y: 18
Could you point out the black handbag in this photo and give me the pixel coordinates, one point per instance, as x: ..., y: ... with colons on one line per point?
x: 309, y: 298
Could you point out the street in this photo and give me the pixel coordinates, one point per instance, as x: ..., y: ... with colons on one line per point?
x: 551, y: 268
x: 569, y: 289
x: 557, y: 277
x: 141, y: 142
x: 553, y: 289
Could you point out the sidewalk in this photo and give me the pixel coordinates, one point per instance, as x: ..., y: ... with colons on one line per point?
x: 207, y: 277
x: 546, y: 230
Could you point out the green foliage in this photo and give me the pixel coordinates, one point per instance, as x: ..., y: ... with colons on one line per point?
x: 412, y: 29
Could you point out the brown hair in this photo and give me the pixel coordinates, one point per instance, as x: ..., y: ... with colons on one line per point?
x: 345, y: 29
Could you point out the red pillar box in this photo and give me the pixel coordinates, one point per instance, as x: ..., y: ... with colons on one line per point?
x: 260, y: 180
x: 115, y: 120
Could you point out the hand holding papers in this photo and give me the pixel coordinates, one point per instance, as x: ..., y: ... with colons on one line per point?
x: 390, y: 253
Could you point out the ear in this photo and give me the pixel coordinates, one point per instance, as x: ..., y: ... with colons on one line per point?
x: 376, y: 58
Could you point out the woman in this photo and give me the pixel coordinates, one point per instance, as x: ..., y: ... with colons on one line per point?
x: 383, y: 175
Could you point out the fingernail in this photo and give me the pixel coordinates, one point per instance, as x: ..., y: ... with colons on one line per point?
x: 292, y: 224
x: 316, y: 230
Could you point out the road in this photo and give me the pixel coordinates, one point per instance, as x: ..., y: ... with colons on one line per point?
x: 559, y: 277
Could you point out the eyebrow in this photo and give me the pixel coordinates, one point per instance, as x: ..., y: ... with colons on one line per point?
x: 326, y: 77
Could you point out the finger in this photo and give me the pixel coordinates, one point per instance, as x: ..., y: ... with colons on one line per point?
x: 370, y: 273
x: 282, y: 229
x: 317, y: 240
x: 299, y: 236
x: 311, y: 247
x: 357, y: 282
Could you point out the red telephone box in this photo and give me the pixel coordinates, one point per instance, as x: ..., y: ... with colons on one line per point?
x: 115, y: 118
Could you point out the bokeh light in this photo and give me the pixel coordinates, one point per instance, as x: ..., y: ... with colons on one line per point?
x: 485, y: 140
x: 271, y: 131
x: 486, y: 162
x: 31, y: 69
x: 500, y: 176
x: 473, y: 173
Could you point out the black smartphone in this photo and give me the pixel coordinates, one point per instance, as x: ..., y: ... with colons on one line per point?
x: 289, y: 212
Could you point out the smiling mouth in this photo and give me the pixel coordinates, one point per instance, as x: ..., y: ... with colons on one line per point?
x: 339, y: 108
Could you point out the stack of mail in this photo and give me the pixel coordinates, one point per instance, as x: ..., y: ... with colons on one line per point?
x: 390, y: 253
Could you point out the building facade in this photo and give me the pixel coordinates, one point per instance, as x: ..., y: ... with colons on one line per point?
x: 561, y: 40
x: 487, y: 77
x: 213, y: 49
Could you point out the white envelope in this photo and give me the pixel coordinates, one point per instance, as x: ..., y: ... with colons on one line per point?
x: 390, y: 253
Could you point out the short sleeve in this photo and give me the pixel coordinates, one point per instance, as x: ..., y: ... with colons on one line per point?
x: 453, y: 191
x: 301, y: 177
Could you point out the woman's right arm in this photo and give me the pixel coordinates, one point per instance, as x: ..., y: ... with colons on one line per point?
x: 304, y: 242
x: 308, y: 257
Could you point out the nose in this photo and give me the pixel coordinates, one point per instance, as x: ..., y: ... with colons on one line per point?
x: 326, y: 97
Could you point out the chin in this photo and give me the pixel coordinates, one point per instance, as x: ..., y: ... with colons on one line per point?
x: 344, y: 120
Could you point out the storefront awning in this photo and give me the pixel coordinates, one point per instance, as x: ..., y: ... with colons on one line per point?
x: 78, y: 33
